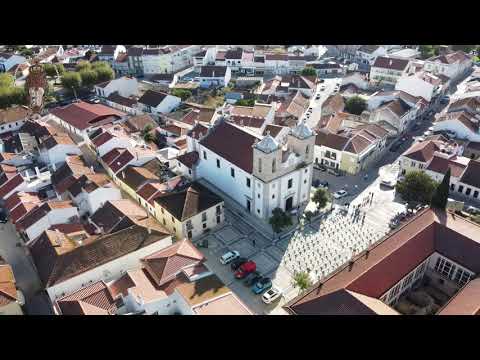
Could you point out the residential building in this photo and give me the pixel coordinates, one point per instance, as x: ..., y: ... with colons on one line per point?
x: 64, y: 264
x: 214, y: 76
x: 387, y: 70
x: 461, y: 123
x: 396, y: 115
x: 81, y: 118
x: 11, y: 299
x: 366, y: 54
x: 424, y: 86
x: 109, y: 53
x: 435, y: 247
x: 190, y: 212
x: 255, y: 170
x: 157, y: 103
x: 13, y: 118
x: 55, y: 148
x: 135, y: 61
x: 120, y: 65
x: 454, y: 65
x: 8, y: 61
x: 328, y: 69
x: 125, y: 86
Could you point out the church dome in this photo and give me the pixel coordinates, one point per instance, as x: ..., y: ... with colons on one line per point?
x: 302, y: 130
x: 267, y: 144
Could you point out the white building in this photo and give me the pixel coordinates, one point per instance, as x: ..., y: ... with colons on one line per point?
x: 213, y: 76
x: 125, y: 86
x: 367, y: 54
x: 54, y: 149
x: 13, y: 118
x: 416, y: 86
x: 157, y: 103
x: 256, y: 171
x: 387, y: 70
x: 454, y: 65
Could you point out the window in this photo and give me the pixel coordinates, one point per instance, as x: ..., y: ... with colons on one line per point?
x: 258, y: 195
x: 452, y: 187
x: 218, y: 219
x: 205, y: 155
x: 274, y: 165
x: 163, y: 211
x: 413, y: 164
x: 305, y: 181
x: 419, y: 271
x: 204, y: 225
x: 164, y: 222
x: 189, y: 172
x: 219, y: 209
x: 273, y: 196
x: 204, y: 216
x: 462, y: 277
x: 258, y: 211
x: 248, y: 182
x: 444, y: 267
x: 232, y: 172
x: 460, y: 189
x: 306, y: 170
x: 307, y: 150
x: 259, y: 165
x: 218, y: 163
x: 469, y: 190
x: 189, y: 224
x: 475, y: 194
x: 420, y: 166
x: 173, y: 219
x: 290, y: 183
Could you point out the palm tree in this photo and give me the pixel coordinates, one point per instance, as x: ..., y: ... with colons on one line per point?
x: 302, y: 281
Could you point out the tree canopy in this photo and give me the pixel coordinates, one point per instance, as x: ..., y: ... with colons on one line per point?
x: 308, y: 71
x: 416, y: 187
x: 279, y: 220
x: 355, y: 105
x: 245, y: 102
x: 83, y: 65
x: 321, y: 198
x: 89, y: 77
x: 71, y: 80
x: 104, y: 73
x: 9, y: 93
x: 440, y: 195
x: 183, y: 94
x: 302, y: 281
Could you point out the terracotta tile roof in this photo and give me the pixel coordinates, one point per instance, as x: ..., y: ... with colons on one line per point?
x: 247, y: 121
x: 11, y: 184
x: 231, y: 143
x: 276, y: 57
x: 390, y: 63
x: 471, y: 176
x: 58, y: 139
x: 198, y: 130
x: 422, y: 151
x: 38, y: 130
x: 202, y: 290
x: 94, y: 299
x: 89, y: 183
x: 256, y: 111
x: 398, y: 107
x: 152, y: 98
x: 463, y: 117
x: 138, y: 123
x: 189, y: 202
x: 117, y: 214
x: 331, y: 140
x: 121, y: 161
x: 13, y: 114
x: 150, y: 191
x: 68, y: 173
x: 457, y: 56
x: 20, y: 198
x: 228, y: 304
x: 82, y: 115
x: 334, y: 103
x: 368, y: 48
x: 212, y: 71
x: 164, y: 265
x: 5, y: 156
x: 135, y: 177
x: 300, y: 82
x: 357, y: 144
x: 440, y: 164
x: 189, y: 159
x: 112, y: 155
x: 273, y: 130
x: 54, y: 268
x: 472, y: 103
x: 139, y: 284
x: 465, y: 302
x: 40, y: 211
x: 8, y: 289
x: 395, y: 256
x: 295, y: 105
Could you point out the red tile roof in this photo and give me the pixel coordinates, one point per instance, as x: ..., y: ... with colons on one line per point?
x: 164, y: 265
x: 83, y: 115
x: 440, y: 164
x: 10, y: 185
x: 233, y: 144
x: 422, y: 151
x: 189, y: 159
x: 8, y: 290
x: 471, y: 176
x: 41, y: 211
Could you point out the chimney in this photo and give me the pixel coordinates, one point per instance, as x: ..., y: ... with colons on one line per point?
x: 367, y: 252
x: 350, y: 264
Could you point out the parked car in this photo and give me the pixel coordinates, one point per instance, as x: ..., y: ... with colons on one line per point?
x: 235, y: 264
x: 318, y: 97
x: 332, y: 172
x: 340, y: 194
x: 323, y: 184
x: 262, y: 285
x: 320, y: 167
x: 229, y: 257
x: 322, y: 80
x: 245, y: 269
x: 271, y: 295
x: 252, y: 278
x: 427, y: 133
x: 473, y: 210
x: 388, y: 183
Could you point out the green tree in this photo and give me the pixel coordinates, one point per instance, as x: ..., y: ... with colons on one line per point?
x: 147, y: 133
x: 416, y: 187
x: 308, y: 71
x: 279, y: 220
x: 427, y: 51
x: 71, y: 80
x: 183, y: 94
x: 89, y: 77
x: 50, y: 69
x: 26, y: 52
x: 60, y: 69
x: 104, y: 73
x: 245, y: 102
x: 100, y: 64
x: 6, y: 80
x: 440, y: 196
x: 355, y: 105
x: 83, y: 65
x: 302, y: 281
x: 464, y: 48
x: 12, y: 96
x: 321, y: 197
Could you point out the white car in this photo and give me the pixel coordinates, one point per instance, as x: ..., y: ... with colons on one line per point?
x: 229, y: 257
x: 427, y: 133
x: 340, y: 194
x: 388, y: 183
x: 271, y: 295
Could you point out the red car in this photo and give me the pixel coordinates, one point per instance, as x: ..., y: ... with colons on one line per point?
x: 245, y: 269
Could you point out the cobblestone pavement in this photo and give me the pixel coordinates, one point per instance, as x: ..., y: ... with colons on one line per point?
x: 318, y: 248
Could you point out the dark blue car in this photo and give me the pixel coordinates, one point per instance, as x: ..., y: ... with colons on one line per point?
x: 262, y: 285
